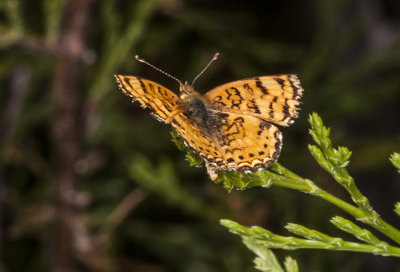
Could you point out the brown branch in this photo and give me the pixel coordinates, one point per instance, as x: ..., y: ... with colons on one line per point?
x: 91, y: 248
x: 35, y: 45
x: 12, y: 110
x: 24, y: 41
x: 121, y: 212
x: 67, y: 126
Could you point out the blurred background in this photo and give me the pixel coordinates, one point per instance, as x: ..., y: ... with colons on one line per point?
x: 91, y: 182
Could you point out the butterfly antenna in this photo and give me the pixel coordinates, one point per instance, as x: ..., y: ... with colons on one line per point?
x: 205, y: 68
x: 158, y: 69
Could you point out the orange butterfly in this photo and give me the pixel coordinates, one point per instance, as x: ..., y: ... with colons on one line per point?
x: 230, y: 126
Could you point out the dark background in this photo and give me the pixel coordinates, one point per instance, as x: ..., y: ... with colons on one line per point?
x: 90, y: 182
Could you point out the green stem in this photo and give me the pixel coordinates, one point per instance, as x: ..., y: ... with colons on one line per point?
x: 386, y: 229
x: 114, y: 56
x: 315, y: 240
x: 363, y: 213
x: 376, y: 222
x: 299, y: 243
x: 348, y: 208
x: 14, y: 15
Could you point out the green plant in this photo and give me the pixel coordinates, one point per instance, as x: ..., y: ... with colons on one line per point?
x: 334, y: 161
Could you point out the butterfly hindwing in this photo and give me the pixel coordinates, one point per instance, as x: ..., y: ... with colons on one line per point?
x: 236, y: 142
x: 247, y: 143
x: 198, y: 140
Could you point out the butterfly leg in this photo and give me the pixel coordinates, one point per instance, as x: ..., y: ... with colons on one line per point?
x: 212, y: 171
x: 171, y: 115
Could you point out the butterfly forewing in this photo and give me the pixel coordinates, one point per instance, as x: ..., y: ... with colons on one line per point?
x: 149, y: 94
x: 271, y: 98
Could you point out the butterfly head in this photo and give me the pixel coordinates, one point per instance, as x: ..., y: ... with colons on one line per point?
x: 185, y: 90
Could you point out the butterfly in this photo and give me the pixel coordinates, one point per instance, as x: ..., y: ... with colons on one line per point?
x: 230, y: 127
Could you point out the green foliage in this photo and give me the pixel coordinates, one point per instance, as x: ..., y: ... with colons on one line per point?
x: 331, y: 159
x: 361, y: 234
x: 136, y: 203
x: 265, y: 260
x: 395, y: 159
x: 313, y: 240
x: 119, y: 42
x: 397, y: 208
x: 334, y: 161
x: 161, y: 179
x: 191, y: 157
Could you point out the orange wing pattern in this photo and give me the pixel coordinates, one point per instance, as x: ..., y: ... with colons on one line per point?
x: 271, y: 98
x: 237, y: 142
x: 228, y: 127
x: 247, y: 143
x: 197, y: 139
x: 163, y: 103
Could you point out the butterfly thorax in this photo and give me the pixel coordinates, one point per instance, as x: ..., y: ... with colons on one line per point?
x: 195, y: 106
